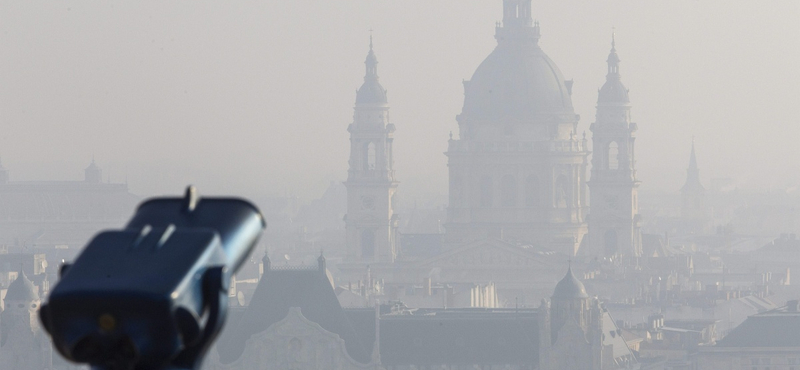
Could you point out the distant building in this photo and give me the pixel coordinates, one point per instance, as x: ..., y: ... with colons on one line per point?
x: 614, y: 224
x: 765, y: 341
x: 63, y: 214
x: 295, y: 322
x: 370, y: 221
x: 693, y: 199
x: 575, y: 332
x: 518, y: 167
x: 23, y: 344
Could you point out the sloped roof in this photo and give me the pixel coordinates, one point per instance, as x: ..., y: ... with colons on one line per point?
x: 65, y: 200
x: 478, y: 338
x: 276, y: 293
x: 777, y: 328
x: 22, y: 289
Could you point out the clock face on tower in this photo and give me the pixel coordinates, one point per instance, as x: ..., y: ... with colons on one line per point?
x: 367, y: 203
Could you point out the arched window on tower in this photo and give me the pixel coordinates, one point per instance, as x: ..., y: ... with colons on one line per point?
x: 561, y: 192
x: 369, y: 156
x: 456, y: 190
x: 610, y: 242
x: 486, y: 191
x: 508, y: 191
x: 367, y: 244
x: 613, y: 156
x: 532, y: 191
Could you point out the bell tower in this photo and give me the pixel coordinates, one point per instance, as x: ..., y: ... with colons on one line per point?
x: 614, y: 225
x: 370, y: 222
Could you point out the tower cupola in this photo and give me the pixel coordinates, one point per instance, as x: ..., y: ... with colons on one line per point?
x: 93, y: 174
x: 613, y: 91
x: 570, y: 287
x: 371, y: 92
x: 22, y: 290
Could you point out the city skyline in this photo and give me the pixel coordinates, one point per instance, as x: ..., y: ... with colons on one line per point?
x: 148, y: 101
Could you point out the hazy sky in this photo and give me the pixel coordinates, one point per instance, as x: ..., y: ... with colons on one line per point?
x: 254, y: 97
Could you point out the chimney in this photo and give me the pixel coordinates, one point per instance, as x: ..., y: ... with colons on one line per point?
x: 426, y: 286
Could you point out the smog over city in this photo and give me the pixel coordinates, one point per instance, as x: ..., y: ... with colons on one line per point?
x: 447, y: 184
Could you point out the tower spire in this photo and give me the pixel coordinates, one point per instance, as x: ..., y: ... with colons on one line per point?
x: 613, y: 41
x: 692, y: 184
x: 613, y: 58
x: 371, y: 92
x: 693, y: 158
x: 371, y: 62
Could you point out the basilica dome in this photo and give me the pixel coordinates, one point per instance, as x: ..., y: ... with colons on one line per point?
x: 517, y: 81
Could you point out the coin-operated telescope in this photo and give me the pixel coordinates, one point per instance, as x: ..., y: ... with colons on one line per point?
x: 153, y: 295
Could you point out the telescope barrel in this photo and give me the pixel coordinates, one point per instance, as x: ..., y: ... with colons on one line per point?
x: 153, y: 295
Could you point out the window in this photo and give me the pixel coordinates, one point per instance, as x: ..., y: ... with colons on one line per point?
x: 370, y: 156
x: 455, y: 190
x: 486, y: 191
x: 613, y: 156
x: 367, y: 243
x: 561, y: 194
x: 610, y: 242
x: 508, y: 191
x: 532, y: 191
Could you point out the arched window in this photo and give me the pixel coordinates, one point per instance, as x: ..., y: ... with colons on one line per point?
x: 486, y: 191
x: 561, y: 192
x: 613, y: 156
x: 367, y: 244
x: 610, y: 242
x: 532, y: 191
x: 456, y: 189
x: 508, y: 191
x: 369, y: 163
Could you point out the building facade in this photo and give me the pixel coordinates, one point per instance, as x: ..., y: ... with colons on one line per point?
x: 371, y: 223
x: 576, y: 332
x: 23, y: 343
x: 614, y: 224
x: 517, y: 170
x: 765, y: 341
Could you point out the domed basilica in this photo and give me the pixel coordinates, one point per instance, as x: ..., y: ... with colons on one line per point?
x: 518, y: 170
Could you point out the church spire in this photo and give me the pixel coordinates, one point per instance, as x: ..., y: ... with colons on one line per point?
x: 613, y: 91
x: 371, y: 92
x: 613, y: 59
x: 371, y: 62
x: 692, y: 184
x: 693, y: 158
